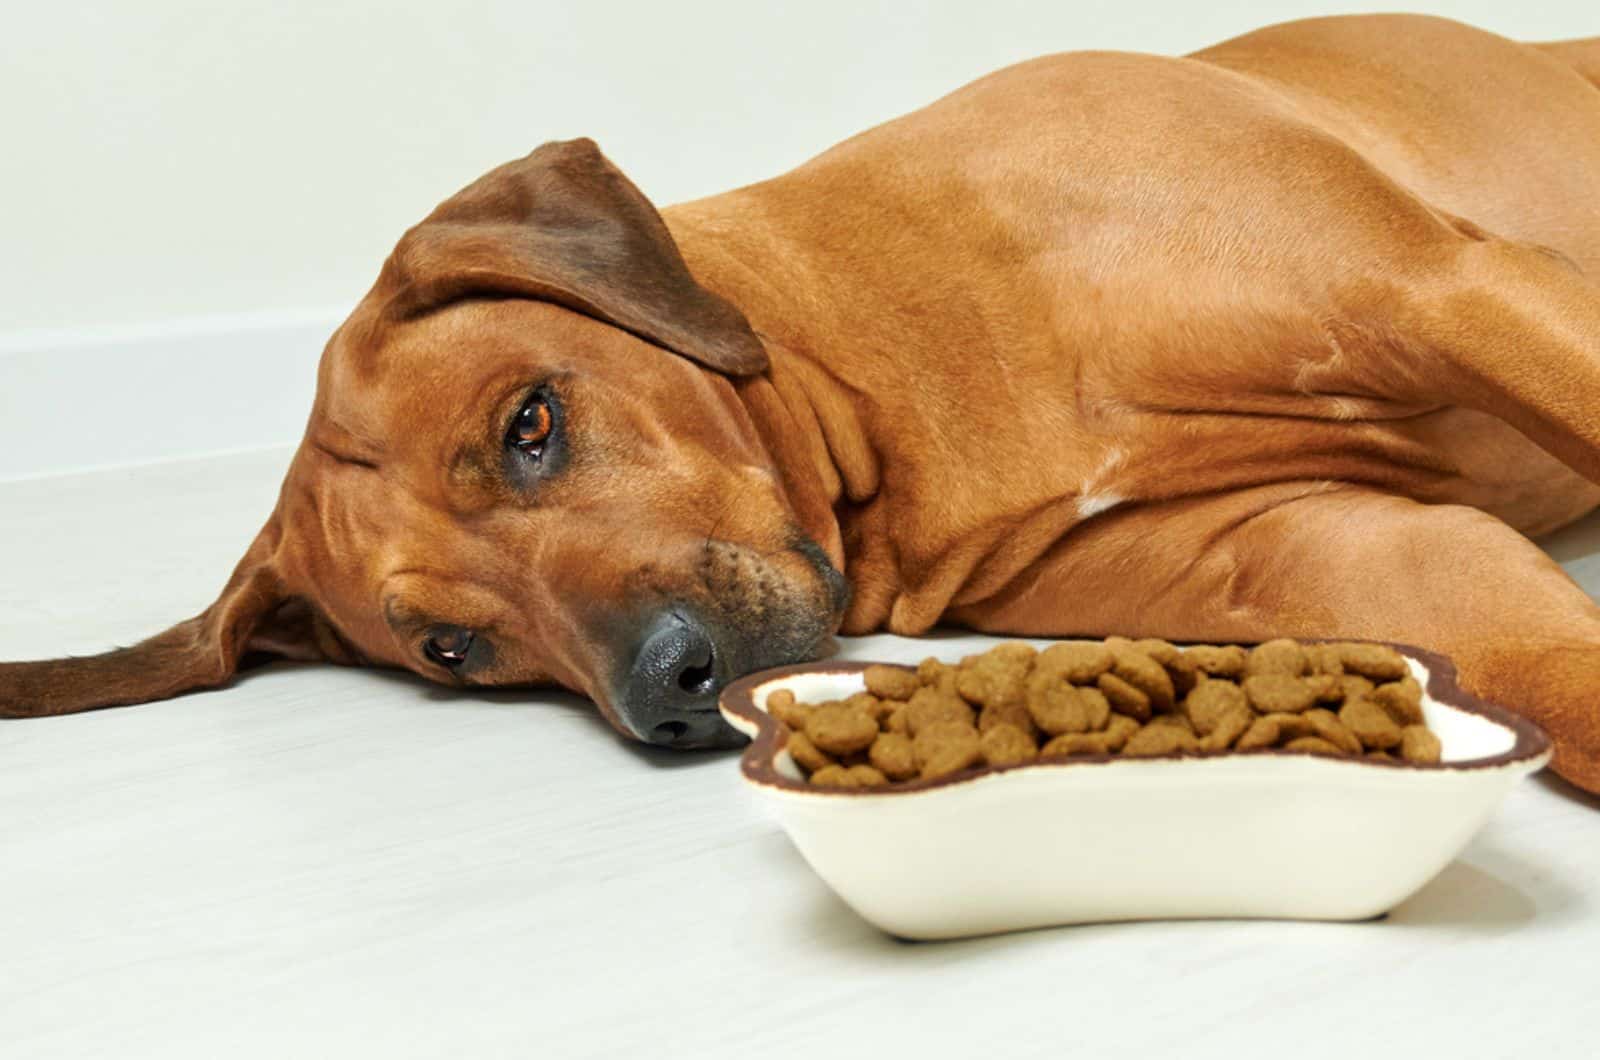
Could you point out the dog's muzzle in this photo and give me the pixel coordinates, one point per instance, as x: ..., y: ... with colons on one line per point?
x: 669, y: 696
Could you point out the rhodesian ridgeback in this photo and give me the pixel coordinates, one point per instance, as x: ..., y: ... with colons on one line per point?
x: 1298, y: 335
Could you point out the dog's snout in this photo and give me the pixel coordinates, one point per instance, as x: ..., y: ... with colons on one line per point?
x: 669, y: 695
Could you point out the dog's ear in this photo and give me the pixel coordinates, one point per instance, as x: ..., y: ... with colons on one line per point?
x: 564, y: 225
x: 252, y: 615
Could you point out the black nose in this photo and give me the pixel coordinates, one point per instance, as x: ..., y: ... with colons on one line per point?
x: 669, y: 696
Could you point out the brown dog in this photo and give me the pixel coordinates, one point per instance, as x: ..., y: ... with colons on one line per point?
x: 1297, y: 335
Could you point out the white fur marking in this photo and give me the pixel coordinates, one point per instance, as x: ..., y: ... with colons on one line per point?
x: 1092, y: 504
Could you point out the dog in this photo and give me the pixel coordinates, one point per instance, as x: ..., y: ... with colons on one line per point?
x: 1298, y: 335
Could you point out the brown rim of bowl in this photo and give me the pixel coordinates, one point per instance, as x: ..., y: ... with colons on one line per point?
x: 757, y: 760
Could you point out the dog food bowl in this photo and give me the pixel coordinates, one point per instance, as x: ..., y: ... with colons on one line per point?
x: 1100, y: 838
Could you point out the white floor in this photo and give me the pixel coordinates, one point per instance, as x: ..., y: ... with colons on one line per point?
x: 321, y: 862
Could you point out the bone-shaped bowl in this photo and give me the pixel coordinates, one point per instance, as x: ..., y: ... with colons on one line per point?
x: 1101, y: 838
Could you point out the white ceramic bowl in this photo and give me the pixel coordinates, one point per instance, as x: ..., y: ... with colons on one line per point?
x: 1265, y: 834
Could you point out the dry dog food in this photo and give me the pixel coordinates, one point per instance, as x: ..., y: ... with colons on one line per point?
x: 1134, y: 698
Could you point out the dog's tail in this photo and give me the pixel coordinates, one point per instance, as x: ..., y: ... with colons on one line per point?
x: 1582, y: 55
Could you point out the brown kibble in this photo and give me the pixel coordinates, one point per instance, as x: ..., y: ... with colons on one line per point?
x: 833, y: 776
x: 1079, y: 662
x: 1209, y: 659
x: 1145, y: 674
x: 1312, y: 745
x: 1419, y: 744
x: 1402, y: 699
x: 1118, y: 731
x: 1057, y: 707
x: 1373, y: 661
x: 1211, y: 702
x: 1262, y: 733
x: 1228, y: 728
x: 993, y: 681
x: 1281, y: 656
x: 1076, y: 743
x: 806, y: 754
x: 1328, y: 688
x: 1371, y: 724
x: 1015, y: 715
x: 875, y: 708
x: 1159, y: 739
x: 1158, y: 649
x: 781, y: 705
x: 945, y: 747
x: 1184, y: 673
x: 1324, y: 659
x: 1291, y: 726
x: 1330, y: 728
x: 1278, y: 693
x: 1356, y: 686
x: 892, y: 755
x: 898, y: 722
x: 1006, y: 745
x: 930, y: 706
x: 1124, y: 698
x: 935, y: 674
x: 840, y: 730
x: 891, y: 682
x: 867, y: 777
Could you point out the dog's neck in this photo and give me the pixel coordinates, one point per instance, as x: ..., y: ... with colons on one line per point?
x: 868, y: 407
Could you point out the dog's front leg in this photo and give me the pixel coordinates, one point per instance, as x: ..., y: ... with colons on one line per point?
x: 1327, y: 560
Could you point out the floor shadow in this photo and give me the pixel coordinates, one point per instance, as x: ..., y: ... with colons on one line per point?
x: 1467, y: 897
x: 1571, y: 792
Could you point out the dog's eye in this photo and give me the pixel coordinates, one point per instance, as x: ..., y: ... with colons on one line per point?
x: 531, y: 426
x: 448, y: 646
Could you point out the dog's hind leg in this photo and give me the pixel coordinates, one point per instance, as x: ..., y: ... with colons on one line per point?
x: 1512, y: 330
x: 1330, y: 560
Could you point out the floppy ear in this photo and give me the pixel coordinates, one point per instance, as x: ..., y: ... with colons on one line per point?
x: 252, y: 614
x: 564, y: 225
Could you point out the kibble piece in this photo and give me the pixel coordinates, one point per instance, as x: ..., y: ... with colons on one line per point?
x: 898, y: 722
x: 1076, y: 743
x: 1118, y: 731
x: 840, y: 730
x: 1261, y: 734
x: 1158, y: 739
x: 945, y: 747
x: 1419, y: 744
x: 1079, y: 662
x: 1355, y: 686
x: 1145, y: 674
x: 1371, y: 724
x: 1402, y: 699
x: 1124, y: 698
x: 806, y: 754
x: 1324, y: 659
x: 1057, y: 707
x: 891, y: 682
x: 891, y: 755
x: 833, y: 776
x: 1380, y: 756
x: 929, y: 706
x: 993, y: 681
x: 1373, y: 660
x: 875, y: 708
x: 1278, y: 693
x: 1281, y: 656
x: 1184, y: 673
x: 1212, y: 701
x: 781, y: 705
x: 1291, y: 726
x: 1209, y: 659
x: 1013, y: 714
x: 935, y: 674
x: 867, y: 777
x: 1328, y: 688
x: 1312, y: 745
x: 1228, y: 728
x: 1158, y: 649
x: 1006, y: 745
x: 1330, y: 728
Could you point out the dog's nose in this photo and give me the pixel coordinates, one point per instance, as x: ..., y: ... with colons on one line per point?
x: 670, y: 694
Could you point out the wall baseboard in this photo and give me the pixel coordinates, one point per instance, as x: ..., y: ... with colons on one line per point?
x: 109, y: 397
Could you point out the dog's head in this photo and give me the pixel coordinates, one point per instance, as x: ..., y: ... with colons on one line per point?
x: 527, y: 463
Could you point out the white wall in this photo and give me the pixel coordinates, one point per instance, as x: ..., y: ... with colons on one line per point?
x: 173, y: 159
